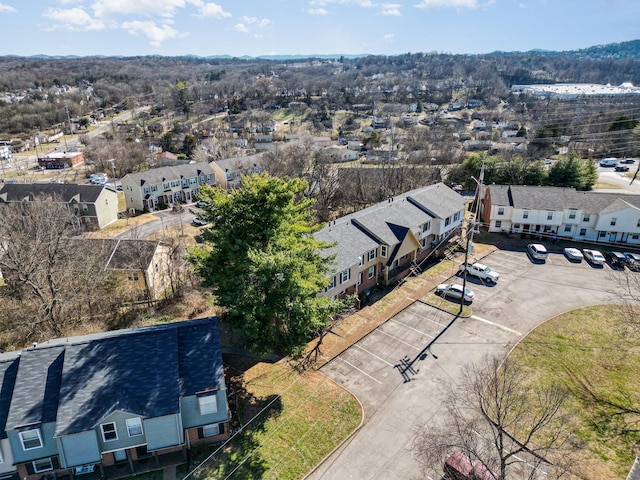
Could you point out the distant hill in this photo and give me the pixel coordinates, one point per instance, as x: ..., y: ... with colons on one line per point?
x: 622, y: 50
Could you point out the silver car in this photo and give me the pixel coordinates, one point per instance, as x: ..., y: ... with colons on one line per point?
x: 454, y: 290
x: 537, y: 251
x: 594, y: 257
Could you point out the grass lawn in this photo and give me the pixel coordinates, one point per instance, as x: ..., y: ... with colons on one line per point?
x: 598, y: 359
x: 299, y: 419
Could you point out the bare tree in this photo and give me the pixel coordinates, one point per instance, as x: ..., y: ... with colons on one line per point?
x: 52, y: 283
x: 496, y: 419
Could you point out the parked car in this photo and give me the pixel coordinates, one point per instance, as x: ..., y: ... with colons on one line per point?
x: 616, y: 259
x: 628, y: 160
x: 202, y: 203
x: 632, y: 261
x: 481, y: 271
x: 621, y: 168
x: 609, y: 162
x: 454, y: 290
x: 573, y: 254
x: 199, y: 221
x: 537, y: 251
x: 594, y: 257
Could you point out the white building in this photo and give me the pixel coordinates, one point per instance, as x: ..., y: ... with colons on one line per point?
x: 565, y: 212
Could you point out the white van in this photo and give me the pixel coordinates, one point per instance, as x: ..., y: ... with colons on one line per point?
x: 609, y: 162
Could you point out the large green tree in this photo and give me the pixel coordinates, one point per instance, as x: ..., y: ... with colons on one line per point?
x: 264, y: 264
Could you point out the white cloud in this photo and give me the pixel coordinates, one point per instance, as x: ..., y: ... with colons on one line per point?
x: 317, y: 11
x: 156, y: 34
x: 212, y: 10
x: 324, y: 3
x: 240, y: 27
x: 6, y: 8
x: 75, y: 19
x: 391, y: 9
x: 163, y: 8
x: 457, y: 4
x: 388, y: 37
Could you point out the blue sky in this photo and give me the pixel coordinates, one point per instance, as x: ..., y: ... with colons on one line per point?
x: 307, y: 27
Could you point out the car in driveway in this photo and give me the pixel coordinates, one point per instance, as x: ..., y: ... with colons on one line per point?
x: 454, y: 290
x: 616, y: 259
x: 537, y: 251
x: 199, y: 221
x: 573, y: 254
x: 594, y: 257
x: 481, y: 271
x: 632, y: 261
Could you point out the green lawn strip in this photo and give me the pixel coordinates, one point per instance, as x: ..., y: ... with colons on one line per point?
x: 308, y: 417
x: 589, y: 351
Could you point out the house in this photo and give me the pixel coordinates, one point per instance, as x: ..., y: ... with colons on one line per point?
x: 96, y: 205
x: 165, y: 185
x: 229, y: 171
x: 382, y: 243
x: 338, y: 153
x: 55, y: 159
x: 117, y: 403
x: 566, y: 212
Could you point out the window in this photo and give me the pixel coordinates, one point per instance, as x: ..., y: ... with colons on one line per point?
x: 498, y: 223
x: 372, y: 254
x: 638, y: 224
x: 208, y: 404
x: 31, y: 439
x: 525, y: 214
x: 360, y: 278
x: 372, y: 272
x: 567, y: 228
x: 586, y: 217
x: 360, y: 260
x: 447, y: 222
x: 456, y: 216
x: 42, y: 465
x: 134, y: 426
x: 426, y: 226
x: 583, y: 232
x: 345, y: 275
x: 383, y: 249
x: 212, y: 429
x: 549, y: 215
x: 500, y: 210
x: 602, y: 233
x: 516, y: 226
x: 613, y: 221
x: 635, y: 236
x: 331, y: 284
x: 133, y: 277
x: 109, y: 432
x: 572, y: 214
x: 85, y: 207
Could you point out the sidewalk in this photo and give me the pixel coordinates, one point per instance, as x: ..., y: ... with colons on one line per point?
x: 360, y: 324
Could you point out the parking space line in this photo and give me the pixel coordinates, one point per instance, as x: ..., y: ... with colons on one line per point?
x: 411, y: 328
x: 361, y: 371
x: 489, y: 322
x: 374, y: 355
x: 397, y: 339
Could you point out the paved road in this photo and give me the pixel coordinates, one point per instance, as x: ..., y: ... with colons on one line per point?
x: 166, y: 218
x: 401, y: 382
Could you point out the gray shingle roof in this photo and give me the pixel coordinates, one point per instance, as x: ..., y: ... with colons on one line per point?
x: 17, y: 192
x: 8, y: 372
x: 557, y: 199
x: 77, y: 381
x: 163, y: 174
x: 387, y: 223
x: 240, y: 163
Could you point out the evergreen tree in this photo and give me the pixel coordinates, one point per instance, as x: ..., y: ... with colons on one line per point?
x: 264, y: 264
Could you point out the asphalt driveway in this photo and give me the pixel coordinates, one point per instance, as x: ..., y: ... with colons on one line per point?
x: 400, y: 371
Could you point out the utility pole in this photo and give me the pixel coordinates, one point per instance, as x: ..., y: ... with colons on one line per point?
x: 471, y: 225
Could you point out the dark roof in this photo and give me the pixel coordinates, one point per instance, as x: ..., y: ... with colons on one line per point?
x: 78, y: 381
x: 17, y: 192
x: 8, y: 372
x: 132, y: 254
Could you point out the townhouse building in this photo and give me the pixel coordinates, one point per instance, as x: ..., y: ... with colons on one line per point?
x: 95, y: 205
x: 565, y: 212
x: 113, y: 404
x: 380, y: 244
x: 164, y: 186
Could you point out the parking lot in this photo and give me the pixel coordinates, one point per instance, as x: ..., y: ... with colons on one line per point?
x: 400, y: 371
